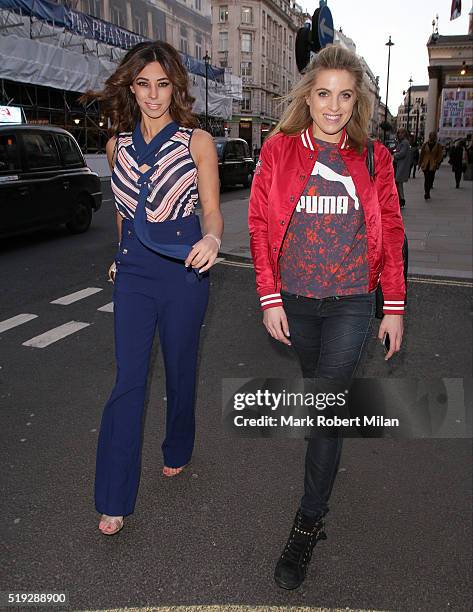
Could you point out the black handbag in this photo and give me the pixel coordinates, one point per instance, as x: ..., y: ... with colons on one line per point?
x: 405, y: 247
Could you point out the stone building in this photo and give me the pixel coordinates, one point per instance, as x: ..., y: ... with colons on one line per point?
x: 255, y: 39
x: 450, y: 94
x: 417, y: 108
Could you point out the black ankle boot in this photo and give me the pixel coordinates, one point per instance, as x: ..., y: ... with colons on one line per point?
x: 293, y: 563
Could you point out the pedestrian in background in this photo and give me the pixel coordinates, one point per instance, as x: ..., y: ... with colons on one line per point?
x: 414, y: 156
x: 161, y: 168
x: 430, y: 158
x: 318, y: 263
x: 402, y: 162
x: 458, y: 161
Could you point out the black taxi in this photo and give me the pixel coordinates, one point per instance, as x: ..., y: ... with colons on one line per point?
x: 44, y: 180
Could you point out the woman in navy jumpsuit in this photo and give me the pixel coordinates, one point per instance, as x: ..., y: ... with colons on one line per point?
x: 160, y: 272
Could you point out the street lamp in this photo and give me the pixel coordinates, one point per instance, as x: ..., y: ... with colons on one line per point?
x: 206, y: 60
x: 408, y: 102
x: 389, y: 44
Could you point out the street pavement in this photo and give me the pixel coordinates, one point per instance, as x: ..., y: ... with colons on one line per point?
x: 439, y: 230
x: 399, y: 528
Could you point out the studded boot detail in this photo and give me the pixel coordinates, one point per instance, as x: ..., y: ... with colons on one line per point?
x: 292, y: 566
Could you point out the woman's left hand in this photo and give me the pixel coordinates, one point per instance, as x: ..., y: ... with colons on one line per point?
x: 392, y: 325
x: 203, y: 254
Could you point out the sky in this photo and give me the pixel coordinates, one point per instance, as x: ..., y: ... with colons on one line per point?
x: 369, y: 23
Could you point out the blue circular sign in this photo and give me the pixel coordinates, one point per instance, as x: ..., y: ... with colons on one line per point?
x: 325, y: 26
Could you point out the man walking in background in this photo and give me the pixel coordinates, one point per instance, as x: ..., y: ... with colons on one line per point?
x: 414, y: 156
x: 402, y: 162
x: 431, y: 156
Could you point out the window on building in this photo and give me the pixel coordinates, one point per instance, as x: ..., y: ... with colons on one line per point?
x: 263, y: 80
x: 246, y: 102
x: 138, y: 26
x: 198, y: 5
x: 198, y: 50
x: 223, y: 14
x: 284, y: 60
x: 117, y: 16
x: 223, y: 41
x: 246, y: 42
x: 263, y: 19
x: 246, y: 14
x: 263, y: 45
x: 245, y: 68
x: 183, y: 44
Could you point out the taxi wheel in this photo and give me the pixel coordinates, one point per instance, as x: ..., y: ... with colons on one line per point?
x: 248, y: 180
x: 82, y: 218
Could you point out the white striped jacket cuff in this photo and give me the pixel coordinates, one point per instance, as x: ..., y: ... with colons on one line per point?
x: 270, y: 301
x: 393, y: 307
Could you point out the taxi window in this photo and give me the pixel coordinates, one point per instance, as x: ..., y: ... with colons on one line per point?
x: 40, y: 150
x: 70, y: 153
x: 9, y: 158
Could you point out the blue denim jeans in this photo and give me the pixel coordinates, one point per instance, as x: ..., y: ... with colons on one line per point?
x: 328, y: 336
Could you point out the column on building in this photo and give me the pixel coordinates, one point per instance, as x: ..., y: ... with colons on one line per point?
x: 150, y: 25
x: 129, y: 16
x: 106, y: 10
x: 431, y: 123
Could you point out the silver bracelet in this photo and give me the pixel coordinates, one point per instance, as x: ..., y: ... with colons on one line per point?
x: 219, y: 242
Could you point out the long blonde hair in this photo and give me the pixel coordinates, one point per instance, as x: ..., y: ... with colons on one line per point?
x: 297, y: 116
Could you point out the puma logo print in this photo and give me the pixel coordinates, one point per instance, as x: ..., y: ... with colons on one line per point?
x: 329, y: 204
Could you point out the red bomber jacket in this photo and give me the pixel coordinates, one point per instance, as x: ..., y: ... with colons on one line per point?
x: 283, y: 170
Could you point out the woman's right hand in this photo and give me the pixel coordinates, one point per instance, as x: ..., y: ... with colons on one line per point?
x: 112, y: 271
x: 275, y: 321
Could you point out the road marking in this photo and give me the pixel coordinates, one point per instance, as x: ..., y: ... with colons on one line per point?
x: 55, y: 334
x: 439, y: 281
x: 237, y: 264
x: 15, y: 321
x: 75, y: 297
x: 107, y: 308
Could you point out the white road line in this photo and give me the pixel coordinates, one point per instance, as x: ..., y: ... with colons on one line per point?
x: 14, y: 321
x: 55, y: 334
x: 107, y: 308
x: 75, y: 297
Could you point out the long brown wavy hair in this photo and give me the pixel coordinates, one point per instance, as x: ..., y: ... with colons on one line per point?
x: 118, y: 101
x: 297, y: 116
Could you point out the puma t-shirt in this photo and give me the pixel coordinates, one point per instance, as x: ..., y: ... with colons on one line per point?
x: 324, y: 252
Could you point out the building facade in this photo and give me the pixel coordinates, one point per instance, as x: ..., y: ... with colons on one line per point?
x: 255, y: 39
x: 53, y: 52
x: 371, y: 82
x: 450, y: 94
x: 414, y: 108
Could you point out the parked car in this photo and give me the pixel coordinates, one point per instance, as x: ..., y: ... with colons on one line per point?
x: 235, y: 163
x: 44, y: 180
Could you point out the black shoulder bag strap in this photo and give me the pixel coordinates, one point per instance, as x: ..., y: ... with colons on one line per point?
x: 370, y: 164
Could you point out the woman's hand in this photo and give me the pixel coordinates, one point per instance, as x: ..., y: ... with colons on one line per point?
x: 393, y: 325
x: 203, y: 254
x: 275, y: 321
x: 112, y: 271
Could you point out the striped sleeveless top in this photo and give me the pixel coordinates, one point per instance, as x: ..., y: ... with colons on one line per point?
x: 172, y: 191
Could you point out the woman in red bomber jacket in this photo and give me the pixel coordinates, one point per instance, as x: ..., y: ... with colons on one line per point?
x: 323, y: 235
